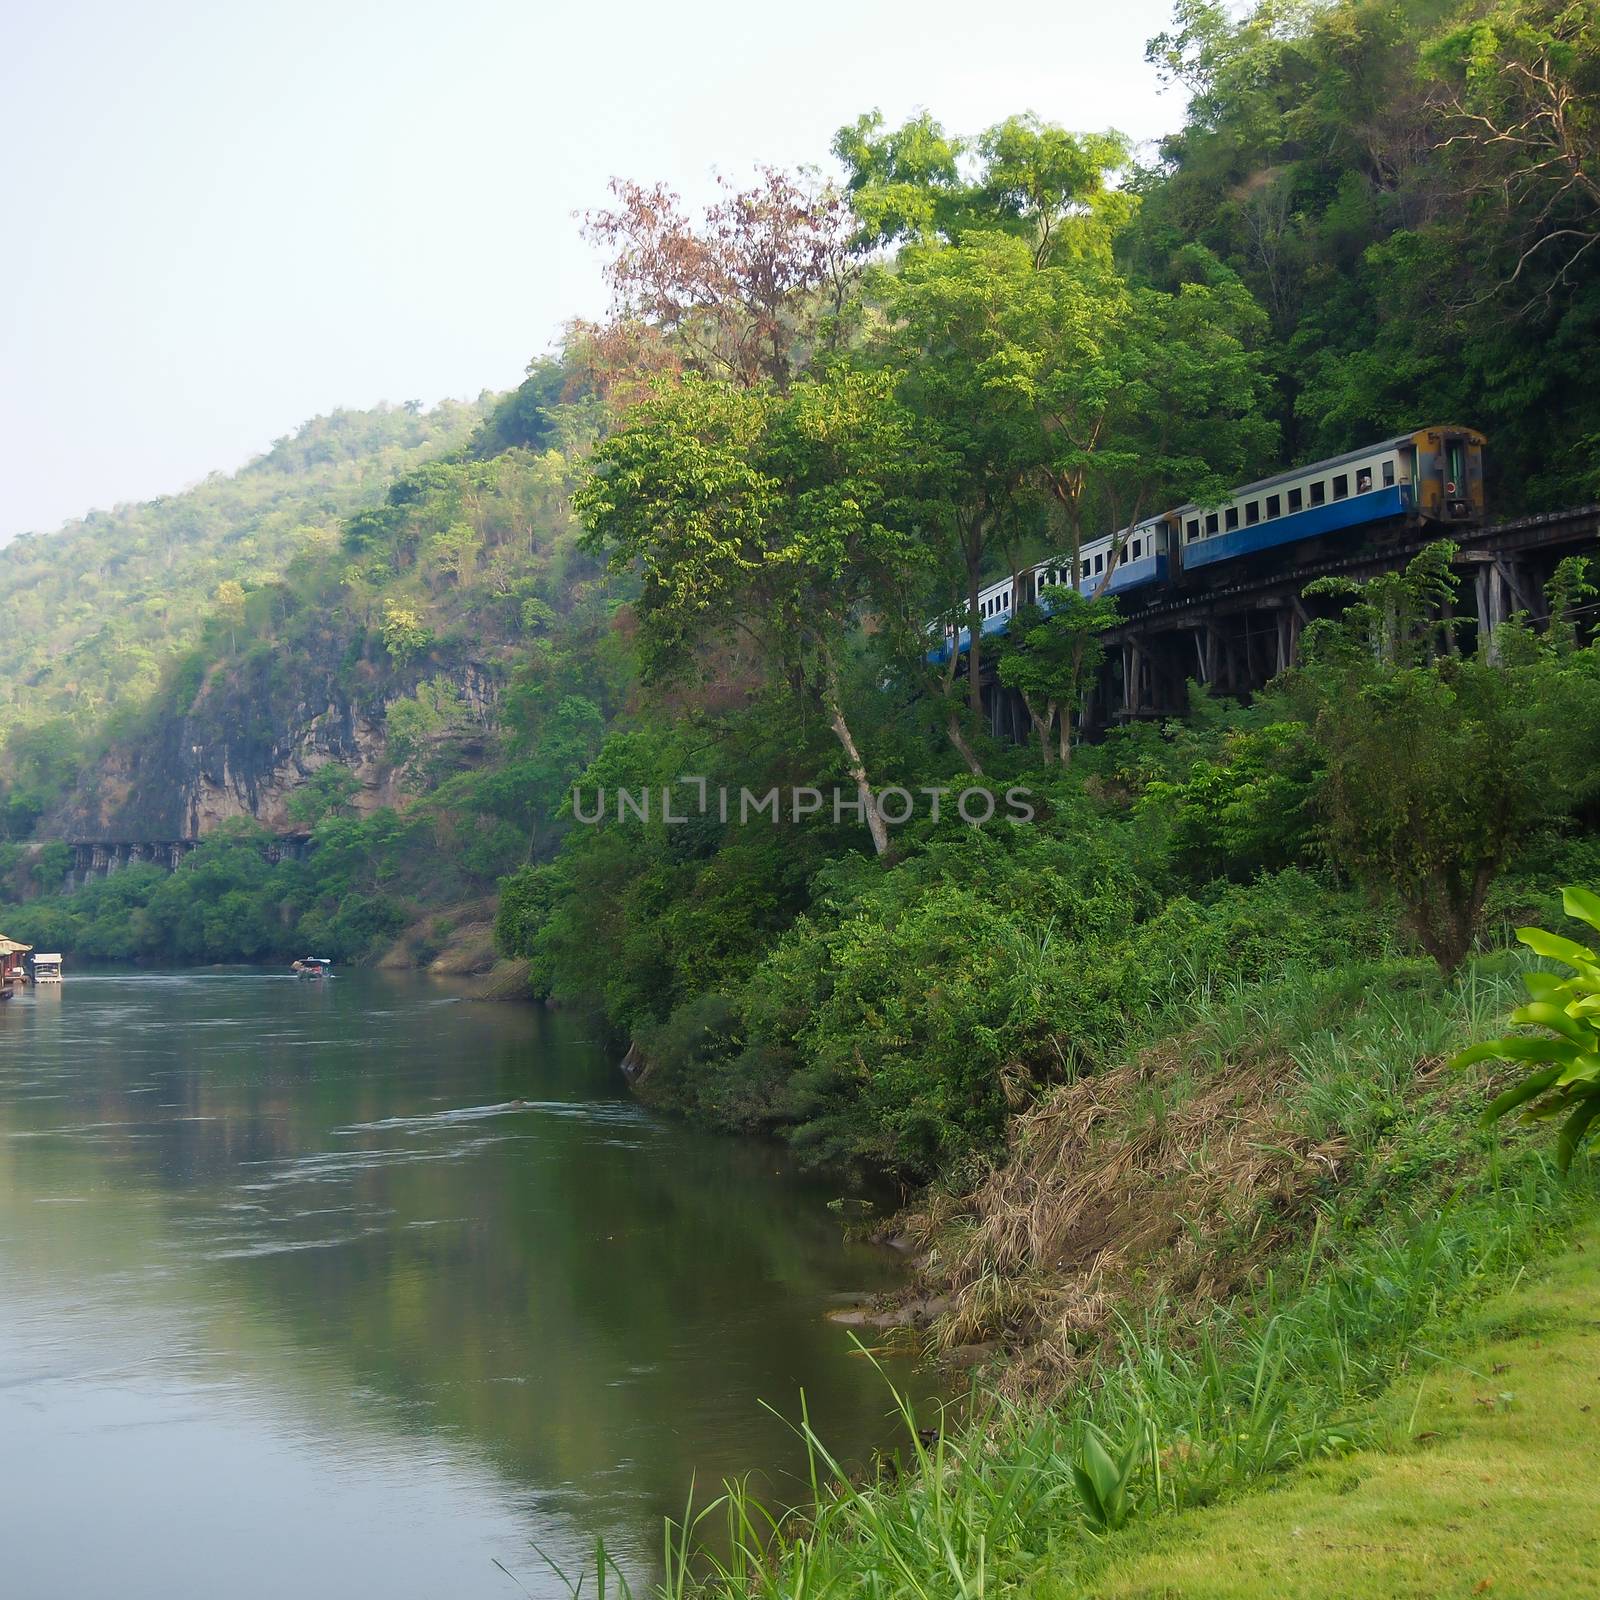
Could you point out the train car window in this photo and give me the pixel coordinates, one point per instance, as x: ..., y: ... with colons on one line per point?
x: 1211, y: 523
x: 1341, y: 486
x: 1274, y: 505
x: 1388, y: 474
x: 1364, y: 480
x: 1100, y: 563
x: 1252, y: 513
x: 1085, y: 572
x: 1297, y: 498
x: 1231, y: 517
x: 1194, y: 528
x: 1319, y: 493
x: 1134, y: 549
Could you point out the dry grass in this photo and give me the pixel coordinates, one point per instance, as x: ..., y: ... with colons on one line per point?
x: 1174, y: 1182
x: 1149, y: 1184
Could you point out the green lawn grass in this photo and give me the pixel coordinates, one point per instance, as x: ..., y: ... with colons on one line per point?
x: 1486, y: 1484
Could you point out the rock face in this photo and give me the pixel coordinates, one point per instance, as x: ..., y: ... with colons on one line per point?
x: 249, y: 738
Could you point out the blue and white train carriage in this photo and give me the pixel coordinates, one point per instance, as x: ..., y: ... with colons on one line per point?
x: 1434, y: 475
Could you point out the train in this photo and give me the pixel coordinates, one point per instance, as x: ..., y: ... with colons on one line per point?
x: 1430, y: 476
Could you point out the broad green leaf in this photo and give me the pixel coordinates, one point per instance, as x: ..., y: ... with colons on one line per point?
x: 1533, y: 1085
x: 1585, y: 1069
x: 1556, y: 947
x: 1584, y: 904
x: 1546, y: 985
x: 1556, y: 1103
x: 1542, y: 1013
x: 1517, y: 1049
x: 1574, y: 1128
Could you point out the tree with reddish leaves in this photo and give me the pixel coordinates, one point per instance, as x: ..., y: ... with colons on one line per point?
x: 744, y: 294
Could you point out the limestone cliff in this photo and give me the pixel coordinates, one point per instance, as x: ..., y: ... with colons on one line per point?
x: 248, y: 739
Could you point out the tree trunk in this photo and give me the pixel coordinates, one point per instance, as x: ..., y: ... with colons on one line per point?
x: 856, y: 767
x: 959, y: 740
x: 1041, y: 725
x: 975, y: 630
x: 943, y: 688
x: 1064, y: 732
x: 1446, y: 909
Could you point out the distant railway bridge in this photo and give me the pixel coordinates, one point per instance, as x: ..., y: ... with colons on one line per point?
x: 99, y: 858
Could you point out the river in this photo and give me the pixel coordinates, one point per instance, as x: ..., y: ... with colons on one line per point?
x: 360, y: 1287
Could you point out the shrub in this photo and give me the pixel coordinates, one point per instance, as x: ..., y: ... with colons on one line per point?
x: 1564, y: 1080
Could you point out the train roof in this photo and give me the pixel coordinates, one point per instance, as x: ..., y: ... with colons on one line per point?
x: 1310, y: 466
x: 1334, y: 461
x: 1286, y: 476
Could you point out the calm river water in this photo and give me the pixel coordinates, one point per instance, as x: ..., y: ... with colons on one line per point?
x: 316, y: 1290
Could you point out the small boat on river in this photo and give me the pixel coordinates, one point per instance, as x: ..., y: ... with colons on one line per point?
x: 313, y: 967
x: 47, y: 969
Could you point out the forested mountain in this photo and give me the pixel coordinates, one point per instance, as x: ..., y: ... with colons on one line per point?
x: 708, y: 538
x: 93, y: 613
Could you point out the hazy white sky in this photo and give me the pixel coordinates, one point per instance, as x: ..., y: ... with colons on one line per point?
x: 220, y: 219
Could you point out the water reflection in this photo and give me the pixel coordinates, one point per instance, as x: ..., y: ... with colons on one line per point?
x: 350, y: 1288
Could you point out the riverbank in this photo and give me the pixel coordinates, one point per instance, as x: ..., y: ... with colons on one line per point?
x: 1233, y: 1258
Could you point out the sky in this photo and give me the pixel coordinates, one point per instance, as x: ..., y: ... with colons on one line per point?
x: 218, y: 220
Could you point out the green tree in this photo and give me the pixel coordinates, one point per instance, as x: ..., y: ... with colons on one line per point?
x: 781, y: 518
x: 1033, y: 179
x: 326, y: 793
x: 404, y: 633
x: 951, y: 345
x: 1522, y: 107
x: 1114, y: 400
x: 1439, y: 766
x: 229, y: 601
x: 1050, y: 657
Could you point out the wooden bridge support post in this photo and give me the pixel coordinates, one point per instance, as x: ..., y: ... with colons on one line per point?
x: 1490, y: 589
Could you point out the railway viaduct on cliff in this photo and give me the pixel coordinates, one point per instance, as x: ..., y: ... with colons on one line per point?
x: 1233, y: 629
x: 99, y: 858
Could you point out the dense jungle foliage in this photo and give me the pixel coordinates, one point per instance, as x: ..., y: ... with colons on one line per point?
x: 705, y: 542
